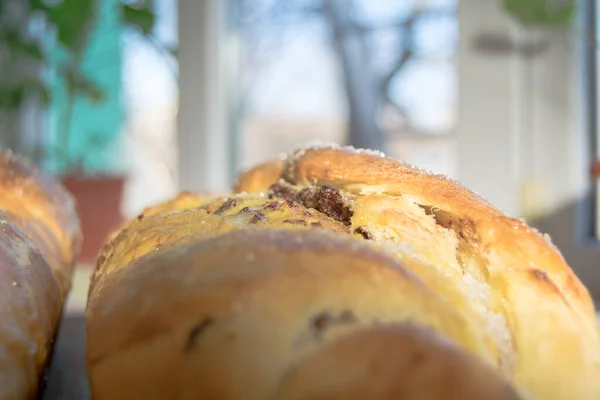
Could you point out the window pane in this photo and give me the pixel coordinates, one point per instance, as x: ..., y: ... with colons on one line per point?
x: 150, y: 93
x: 309, y: 66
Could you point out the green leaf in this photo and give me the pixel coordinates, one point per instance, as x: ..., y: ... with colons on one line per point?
x: 45, y: 95
x: 73, y: 20
x: 78, y: 83
x: 542, y: 13
x: 18, y: 44
x: 90, y: 89
x: 32, y: 49
x: 140, y: 17
x: 38, y: 5
x: 36, y: 87
x: 12, y: 97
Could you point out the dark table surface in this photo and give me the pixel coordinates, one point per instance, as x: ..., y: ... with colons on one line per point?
x: 66, y: 377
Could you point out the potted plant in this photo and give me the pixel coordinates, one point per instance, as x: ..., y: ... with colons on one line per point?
x: 42, y: 44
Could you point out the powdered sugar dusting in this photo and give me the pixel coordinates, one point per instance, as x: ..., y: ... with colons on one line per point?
x: 496, y: 324
x: 477, y: 292
x: 544, y: 236
x: 318, y: 145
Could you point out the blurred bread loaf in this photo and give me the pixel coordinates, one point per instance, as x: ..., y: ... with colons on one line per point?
x: 338, y: 274
x: 39, y: 240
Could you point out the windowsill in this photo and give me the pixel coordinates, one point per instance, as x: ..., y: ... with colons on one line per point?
x: 78, y: 296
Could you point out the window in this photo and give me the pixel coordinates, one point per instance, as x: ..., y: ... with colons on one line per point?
x: 375, y: 74
x: 149, y: 99
x: 511, y: 109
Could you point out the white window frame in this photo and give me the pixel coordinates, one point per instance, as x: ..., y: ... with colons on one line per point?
x: 208, y: 56
x: 513, y: 157
x: 591, y: 111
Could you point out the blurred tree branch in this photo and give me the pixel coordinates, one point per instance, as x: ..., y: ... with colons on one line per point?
x: 363, y: 84
x: 367, y: 89
x: 360, y: 81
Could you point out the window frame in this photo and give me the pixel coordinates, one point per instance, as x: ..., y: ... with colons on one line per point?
x: 208, y: 55
x: 588, y: 225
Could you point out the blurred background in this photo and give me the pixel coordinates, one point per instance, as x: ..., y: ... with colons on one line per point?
x: 128, y: 102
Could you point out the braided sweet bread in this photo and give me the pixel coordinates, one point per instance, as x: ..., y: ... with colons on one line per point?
x: 344, y: 275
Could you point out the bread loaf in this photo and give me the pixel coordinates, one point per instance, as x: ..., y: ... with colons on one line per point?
x: 521, y: 290
x: 344, y: 275
x: 39, y: 240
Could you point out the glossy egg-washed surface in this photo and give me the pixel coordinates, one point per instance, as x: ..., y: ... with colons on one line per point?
x: 151, y: 249
x: 514, y: 301
x: 518, y: 287
x: 47, y: 213
x: 39, y: 239
x: 241, y: 314
x: 178, y: 222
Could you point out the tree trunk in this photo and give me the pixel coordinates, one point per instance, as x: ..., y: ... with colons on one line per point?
x: 359, y: 80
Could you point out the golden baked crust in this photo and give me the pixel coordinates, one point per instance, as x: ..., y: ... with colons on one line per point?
x: 521, y: 290
x: 39, y: 240
x: 226, y: 297
x: 395, y: 362
x: 183, y: 201
x: 47, y: 213
x: 243, y: 314
x: 30, y: 308
x: 254, y: 179
x: 174, y: 222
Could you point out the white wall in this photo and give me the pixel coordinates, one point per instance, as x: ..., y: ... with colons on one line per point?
x: 487, y: 149
x: 521, y: 140
x: 515, y: 114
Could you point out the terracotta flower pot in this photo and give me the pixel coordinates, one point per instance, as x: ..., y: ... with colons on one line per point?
x: 99, y: 205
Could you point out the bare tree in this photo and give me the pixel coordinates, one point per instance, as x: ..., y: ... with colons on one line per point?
x: 367, y: 89
x: 360, y: 82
